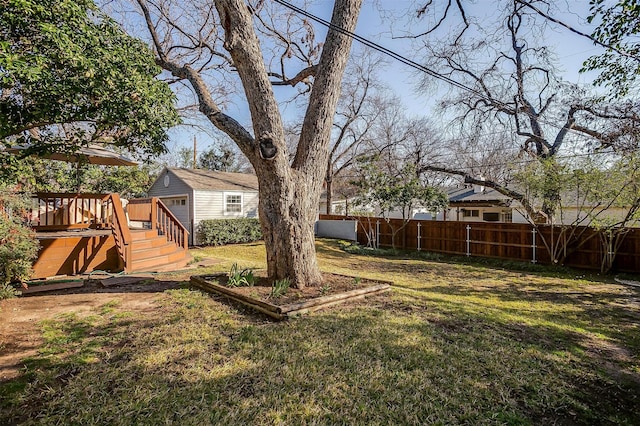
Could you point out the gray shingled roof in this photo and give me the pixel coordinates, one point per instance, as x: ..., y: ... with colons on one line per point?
x: 465, y: 194
x: 216, y: 181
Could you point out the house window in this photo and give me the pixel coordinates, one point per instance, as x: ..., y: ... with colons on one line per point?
x: 233, y: 203
x: 470, y: 213
x: 491, y: 216
x: 507, y: 216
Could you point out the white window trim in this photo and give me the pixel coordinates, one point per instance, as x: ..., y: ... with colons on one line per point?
x: 224, y: 199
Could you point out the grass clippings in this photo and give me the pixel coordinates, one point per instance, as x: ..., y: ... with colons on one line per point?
x: 452, y: 344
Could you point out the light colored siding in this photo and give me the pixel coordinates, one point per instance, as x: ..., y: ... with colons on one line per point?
x: 176, y: 187
x: 210, y: 205
x: 180, y: 211
x: 251, y: 204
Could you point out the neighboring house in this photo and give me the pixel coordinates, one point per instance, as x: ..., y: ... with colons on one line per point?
x: 194, y: 195
x: 476, y: 203
x: 468, y: 203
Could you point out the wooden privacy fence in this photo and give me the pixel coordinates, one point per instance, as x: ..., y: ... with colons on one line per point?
x: 514, y: 241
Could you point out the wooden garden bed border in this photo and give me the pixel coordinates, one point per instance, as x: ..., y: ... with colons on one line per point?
x: 281, y: 312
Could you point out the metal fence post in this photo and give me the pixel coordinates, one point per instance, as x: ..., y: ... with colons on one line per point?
x: 419, y: 236
x: 468, y: 240
x: 533, y: 245
x: 377, y: 234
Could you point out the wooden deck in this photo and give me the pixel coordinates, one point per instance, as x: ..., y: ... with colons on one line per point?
x: 82, y: 233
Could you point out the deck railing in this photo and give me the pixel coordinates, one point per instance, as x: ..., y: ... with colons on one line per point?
x: 156, y: 214
x: 53, y: 212
x: 60, y: 211
x: 120, y: 230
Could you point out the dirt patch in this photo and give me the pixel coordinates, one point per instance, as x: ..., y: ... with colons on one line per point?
x: 19, y: 328
x: 282, y: 302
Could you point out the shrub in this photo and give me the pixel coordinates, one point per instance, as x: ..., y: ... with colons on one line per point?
x: 7, y: 291
x: 18, y: 244
x: 217, y: 232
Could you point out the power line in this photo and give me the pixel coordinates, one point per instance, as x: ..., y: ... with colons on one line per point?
x: 378, y: 47
x: 525, y: 161
x: 573, y: 30
x: 410, y: 62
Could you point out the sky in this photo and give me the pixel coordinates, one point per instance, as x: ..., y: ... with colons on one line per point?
x: 571, y: 50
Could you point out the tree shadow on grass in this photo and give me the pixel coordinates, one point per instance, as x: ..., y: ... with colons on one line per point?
x: 385, y: 361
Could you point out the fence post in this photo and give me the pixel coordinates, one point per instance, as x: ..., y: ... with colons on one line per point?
x: 419, y: 236
x: 468, y: 240
x: 533, y: 245
x: 377, y: 234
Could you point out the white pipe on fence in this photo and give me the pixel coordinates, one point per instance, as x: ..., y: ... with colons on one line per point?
x: 468, y: 240
x: 419, y: 236
x: 533, y: 245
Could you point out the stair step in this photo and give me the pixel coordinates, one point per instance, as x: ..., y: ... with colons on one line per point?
x: 143, y: 234
x: 157, y: 241
x: 146, y: 252
x: 162, y: 262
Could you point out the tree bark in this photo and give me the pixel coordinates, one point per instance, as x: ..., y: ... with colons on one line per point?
x: 289, y: 194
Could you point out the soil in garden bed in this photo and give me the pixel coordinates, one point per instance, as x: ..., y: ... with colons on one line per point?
x: 261, y: 290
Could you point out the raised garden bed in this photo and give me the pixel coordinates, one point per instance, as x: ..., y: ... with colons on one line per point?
x: 336, y: 290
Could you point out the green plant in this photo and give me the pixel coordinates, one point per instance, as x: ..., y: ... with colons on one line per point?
x: 7, y: 291
x: 325, y: 289
x: 280, y: 287
x: 18, y: 245
x: 238, y: 278
x: 217, y: 232
x: 356, y: 280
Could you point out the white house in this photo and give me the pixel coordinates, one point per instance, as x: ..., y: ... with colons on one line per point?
x: 194, y: 195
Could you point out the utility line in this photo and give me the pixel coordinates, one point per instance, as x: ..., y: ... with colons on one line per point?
x: 573, y: 30
x: 378, y: 47
x: 410, y: 62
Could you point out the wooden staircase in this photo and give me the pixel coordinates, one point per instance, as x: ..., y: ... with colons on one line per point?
x: 80, y: 233
x: 152, y: 252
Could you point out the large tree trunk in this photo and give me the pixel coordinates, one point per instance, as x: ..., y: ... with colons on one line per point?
x: 287, y: 215
x: 289, y: 193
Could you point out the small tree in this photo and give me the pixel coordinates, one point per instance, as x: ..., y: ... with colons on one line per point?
x: 399, y: 192
x: 604, y: 198
x: 18, y: 245
x: 222, y: 158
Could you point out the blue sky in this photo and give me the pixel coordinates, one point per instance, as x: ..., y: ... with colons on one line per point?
x: 571, y: 50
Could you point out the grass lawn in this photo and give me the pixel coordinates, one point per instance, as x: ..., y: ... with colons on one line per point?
x: 451, y: 343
